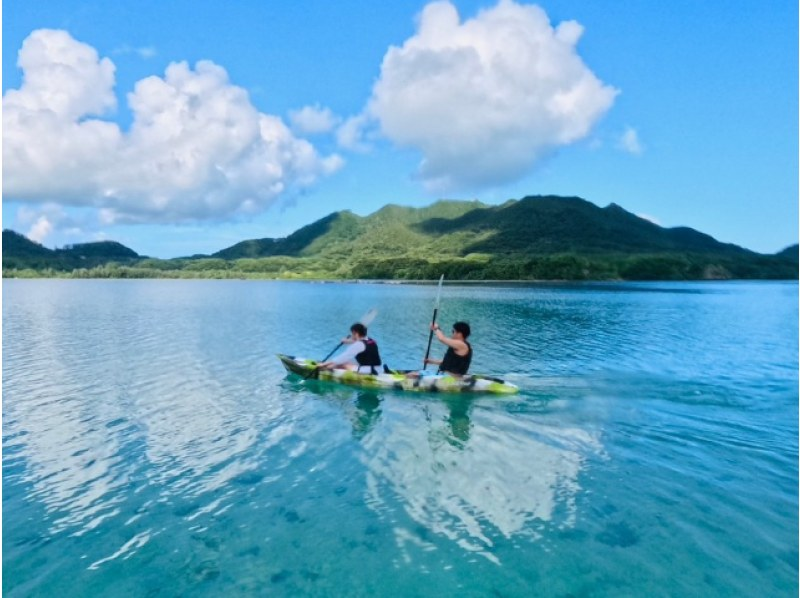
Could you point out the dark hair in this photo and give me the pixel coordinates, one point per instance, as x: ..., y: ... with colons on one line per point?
x: 359, y: 329
x: 463, y: 328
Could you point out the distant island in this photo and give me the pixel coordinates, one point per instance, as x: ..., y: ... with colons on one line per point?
x: 543, y: 238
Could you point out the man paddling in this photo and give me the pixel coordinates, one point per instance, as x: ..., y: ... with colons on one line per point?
x: 362, y: 355
x: 458, y: 356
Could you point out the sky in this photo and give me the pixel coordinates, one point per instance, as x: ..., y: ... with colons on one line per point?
x: 184, y: 127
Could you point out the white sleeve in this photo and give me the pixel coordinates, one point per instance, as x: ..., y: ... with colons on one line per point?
x: 350, y: 354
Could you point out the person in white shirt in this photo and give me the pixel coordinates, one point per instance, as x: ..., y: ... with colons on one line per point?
x: 362, y: 355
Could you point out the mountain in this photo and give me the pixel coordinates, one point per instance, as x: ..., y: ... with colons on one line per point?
x: 535, y: 238
x: 17, y: 245
x: 339, y: 229
x: 531, y: 226
x: 19, y: 252
x: 792, y: 251
x: 532, y: 238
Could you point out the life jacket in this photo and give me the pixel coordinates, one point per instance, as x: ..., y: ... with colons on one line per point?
x: 370, y: 355
x: 455, y: 363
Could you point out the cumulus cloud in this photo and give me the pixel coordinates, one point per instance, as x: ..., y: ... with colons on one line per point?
x: 197, y: 148
x: 484, y: 99
x: 352, y: 134
x: 41, y: 220
x: 629, y: 141
x: 40, y: 229
x: 312, y: 120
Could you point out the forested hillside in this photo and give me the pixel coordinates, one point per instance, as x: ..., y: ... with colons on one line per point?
x: 536, y: 238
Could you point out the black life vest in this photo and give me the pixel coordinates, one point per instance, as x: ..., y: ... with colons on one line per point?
x: 370, y: 355
x: 455, y: 363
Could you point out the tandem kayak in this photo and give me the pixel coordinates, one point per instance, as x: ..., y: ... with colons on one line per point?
x: 427, y: 382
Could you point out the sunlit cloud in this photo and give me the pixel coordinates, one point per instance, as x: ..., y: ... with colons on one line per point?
x: 40, y: 221
x: 40, y: 229
x: 354, y: 134
x: 485, y: 99
x: 311, y: 120
x: 197, y: 148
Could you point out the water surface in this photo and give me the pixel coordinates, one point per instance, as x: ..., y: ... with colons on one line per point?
x: 154, y: 446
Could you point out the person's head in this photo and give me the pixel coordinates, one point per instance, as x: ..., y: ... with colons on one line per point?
x: 359, y: 330
x: 462, y: 328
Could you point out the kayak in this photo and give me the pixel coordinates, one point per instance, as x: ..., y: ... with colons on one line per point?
x: 400, y: 380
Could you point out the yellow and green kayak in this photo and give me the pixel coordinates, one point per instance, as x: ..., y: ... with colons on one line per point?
x: 408, y: 381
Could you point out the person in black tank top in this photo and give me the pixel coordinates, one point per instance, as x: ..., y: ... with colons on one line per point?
x: 458, y: 356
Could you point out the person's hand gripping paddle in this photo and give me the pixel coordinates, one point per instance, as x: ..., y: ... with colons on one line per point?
x: 366, y: 320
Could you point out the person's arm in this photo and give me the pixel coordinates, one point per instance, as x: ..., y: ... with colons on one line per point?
x: 349, y: 355
x: 460, y: 347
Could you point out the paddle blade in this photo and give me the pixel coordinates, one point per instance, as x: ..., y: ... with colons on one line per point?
x: 439, y: 291
x: 367, y: 318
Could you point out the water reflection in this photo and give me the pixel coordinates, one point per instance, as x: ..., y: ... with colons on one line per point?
x: 362, y: 406
x: 464, y: 469
x: 367, y: 414
x: 95, y: 413
x: 458, y: 418
x: 472, y: 476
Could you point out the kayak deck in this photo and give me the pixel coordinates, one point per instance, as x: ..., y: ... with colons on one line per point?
x: 306, y: 368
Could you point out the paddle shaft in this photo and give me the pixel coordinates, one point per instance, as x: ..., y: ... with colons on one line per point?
x: 334, y: 351
x: 430, y: 339
x: 366, y: 320
x: 316, y: 369
x: 433, y: 321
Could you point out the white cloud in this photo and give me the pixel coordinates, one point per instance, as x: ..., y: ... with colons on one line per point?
x: 485, y: 99
x: 42, y: 220
x: 40, y: 229
x: 197, y: 147
x: 352, y: 134
x: 629, y: 142
x: 311, y: 120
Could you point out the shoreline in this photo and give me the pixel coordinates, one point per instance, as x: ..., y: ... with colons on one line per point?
x: 414, y: 282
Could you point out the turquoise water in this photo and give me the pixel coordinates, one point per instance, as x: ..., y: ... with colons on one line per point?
x: 154, y: 446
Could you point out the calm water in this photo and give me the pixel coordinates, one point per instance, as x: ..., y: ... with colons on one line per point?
x: 153, y: 445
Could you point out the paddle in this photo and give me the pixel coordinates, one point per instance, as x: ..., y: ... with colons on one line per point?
x: 366, y: 320
x: 433, y: 321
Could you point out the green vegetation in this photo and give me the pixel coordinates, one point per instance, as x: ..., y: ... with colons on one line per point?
x: 536, y: 238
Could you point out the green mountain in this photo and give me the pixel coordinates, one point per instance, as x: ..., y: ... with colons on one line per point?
x: 17, y: 245
x: 543, y: 237
x: 535, y: 238
x: 340, y: 230
x: 531, y: 226
x: 19, y: 252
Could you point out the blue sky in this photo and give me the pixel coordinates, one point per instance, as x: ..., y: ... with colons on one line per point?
x: 184, y: 127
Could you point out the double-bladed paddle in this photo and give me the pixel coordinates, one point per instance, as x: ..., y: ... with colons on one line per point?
x: 366, y: 320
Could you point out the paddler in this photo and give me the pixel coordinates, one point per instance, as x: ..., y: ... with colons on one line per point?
x: 362, y: 354
x: 458, y: 356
